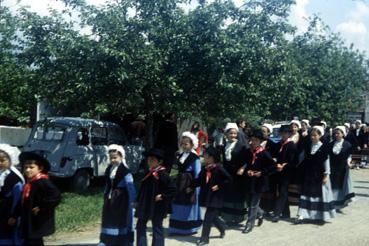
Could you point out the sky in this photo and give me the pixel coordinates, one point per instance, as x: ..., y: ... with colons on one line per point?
x: 348, y: 17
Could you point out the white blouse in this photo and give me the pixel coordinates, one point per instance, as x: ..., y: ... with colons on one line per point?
x: 229, y: 148
x: 337, y: 147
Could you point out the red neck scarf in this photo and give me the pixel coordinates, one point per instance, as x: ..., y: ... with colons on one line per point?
x: 255, y: 152
x: 154, y: 172
x: 284, y: 143
x: 208, y: 169
x: 27, y: 187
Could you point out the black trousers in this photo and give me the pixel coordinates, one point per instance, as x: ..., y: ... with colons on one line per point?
x: 281, y: 203
x: 211, y: 218
x: 34, y: 241
x: 157, y: 230
x: 254, y: 210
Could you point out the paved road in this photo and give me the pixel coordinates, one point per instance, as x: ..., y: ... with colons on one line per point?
x: 349, y: 228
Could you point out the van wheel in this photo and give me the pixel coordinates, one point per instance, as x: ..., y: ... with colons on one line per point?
x: 81, y: 181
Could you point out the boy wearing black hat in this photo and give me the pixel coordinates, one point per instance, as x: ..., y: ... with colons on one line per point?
x: 154, y: 199
x: 286, y: 155
x: 212, y: 179
x: 39, y: 199
x: 259, y: 165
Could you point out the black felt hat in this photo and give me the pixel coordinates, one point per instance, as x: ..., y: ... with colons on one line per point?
x: 35, y: 156
x: 213, y: 152
x: 285, y: 128
x: 158, y: 153
x: 258, y: 134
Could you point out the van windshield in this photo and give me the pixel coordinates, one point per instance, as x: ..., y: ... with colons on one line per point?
x: 49, y: 133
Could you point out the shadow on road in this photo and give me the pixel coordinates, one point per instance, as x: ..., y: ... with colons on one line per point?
x: 360, y: 194
x: 367, y: 182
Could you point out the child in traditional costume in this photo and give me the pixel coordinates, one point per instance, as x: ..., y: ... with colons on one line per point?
x: 11, y: 186
x: 185, y: 218
x: 119, y: 197
x: 154, y: 199
x: 39, y: 199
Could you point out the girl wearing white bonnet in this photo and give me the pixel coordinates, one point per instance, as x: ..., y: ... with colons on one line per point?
x: 119, y: 197
x: 296, y: 126
x: 234, y: 152
x: 11, y: 186
x: 185, y: 218
x: 340, y: 158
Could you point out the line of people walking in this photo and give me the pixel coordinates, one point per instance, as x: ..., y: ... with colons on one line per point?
x: 240, y: 183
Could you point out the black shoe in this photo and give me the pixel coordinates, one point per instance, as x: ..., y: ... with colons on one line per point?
x: 202, y: 242
x: 275, y: 218
x: 260, y: 220
x: 248, y: 228
x: 298, y: 221
x: 222, y: 234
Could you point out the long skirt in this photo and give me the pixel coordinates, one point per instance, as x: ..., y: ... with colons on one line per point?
x: 185, y: 219
x: 320, y: 207
x: 117, y: 226
x: 342, y: 197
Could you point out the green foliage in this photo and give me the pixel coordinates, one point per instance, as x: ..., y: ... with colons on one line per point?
x: 15, y: 97
x: 215, y: 61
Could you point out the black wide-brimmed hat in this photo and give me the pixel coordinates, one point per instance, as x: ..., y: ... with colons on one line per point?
x: 258, y: 134
x: 285, y: 128
x: 158, y: 153
x: 215, y: 153
x: 34, y: 156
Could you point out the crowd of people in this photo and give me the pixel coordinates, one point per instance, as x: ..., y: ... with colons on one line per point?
x: 240, y: 178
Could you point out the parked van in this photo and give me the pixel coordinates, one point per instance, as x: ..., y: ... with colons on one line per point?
x: 78, y: 148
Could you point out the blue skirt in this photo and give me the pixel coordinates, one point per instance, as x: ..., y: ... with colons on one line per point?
x: 185, y: 219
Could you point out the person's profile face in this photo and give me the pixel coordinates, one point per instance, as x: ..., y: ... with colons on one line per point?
x: 153, y: 161
x: 255, y: 142
x: 4, y: 162
x: 115, y: 158
x: 265, y: 131
x: 232, y: 134
x: 294, y: 128
x: 31, y: 169
x: 186, y: 144
x: 315, y: 137
x: 208, y: 159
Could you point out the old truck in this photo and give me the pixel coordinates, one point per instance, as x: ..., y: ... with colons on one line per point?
x: 77, y: 148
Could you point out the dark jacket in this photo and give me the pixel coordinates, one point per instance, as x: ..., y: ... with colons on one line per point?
x: 351, y: 138
x: 235, y: 192
x: 263, y: 163
x: 287, y: 154
x: 360, y: 137
x: 46, y: 196
x: 122, y: 195
x: 147, y: 208
x: 184, y: 180
x: 313, y: 171
x: 271, y: 147
x: 209, y: 198
x: 9, y: 204
x: 338, y: 164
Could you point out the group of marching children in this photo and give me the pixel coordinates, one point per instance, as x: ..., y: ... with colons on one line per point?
x: 230, y: 184
x: 27, y: 201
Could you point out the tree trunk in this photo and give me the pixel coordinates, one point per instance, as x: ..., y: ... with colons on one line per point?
x: 149, y: 138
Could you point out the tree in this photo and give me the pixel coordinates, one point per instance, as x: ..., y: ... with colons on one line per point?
x: 16, y: 101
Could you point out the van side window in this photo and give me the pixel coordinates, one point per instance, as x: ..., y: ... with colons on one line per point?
x: 116, y: 136
x: 82, y: 137
x: 99, y: 135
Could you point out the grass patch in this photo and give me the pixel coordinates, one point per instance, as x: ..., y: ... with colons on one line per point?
x: 77, y: 210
